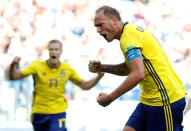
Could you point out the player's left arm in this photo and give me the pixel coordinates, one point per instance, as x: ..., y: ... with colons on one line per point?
x: 136, y: 75
x: 86, y: 85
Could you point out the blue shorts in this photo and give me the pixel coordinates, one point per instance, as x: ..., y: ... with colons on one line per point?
x: 49, y: 122
x: 153, y: 118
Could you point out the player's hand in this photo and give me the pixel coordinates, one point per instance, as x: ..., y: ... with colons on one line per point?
x: 104, y: 99
x: 94, y: 66
x: 16, y: 60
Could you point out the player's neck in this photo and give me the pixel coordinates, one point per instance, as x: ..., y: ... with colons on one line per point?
x: 119, y: 29
x: 52, y: 65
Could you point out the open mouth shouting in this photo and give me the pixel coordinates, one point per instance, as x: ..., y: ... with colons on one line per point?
x: 53, y: 57
x: 104, y: 35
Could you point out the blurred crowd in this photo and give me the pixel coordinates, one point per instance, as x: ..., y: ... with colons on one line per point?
x: 26, y: 26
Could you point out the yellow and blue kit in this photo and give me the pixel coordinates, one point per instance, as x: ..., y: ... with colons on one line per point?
x: 161, y: 86
x: 49, y: 87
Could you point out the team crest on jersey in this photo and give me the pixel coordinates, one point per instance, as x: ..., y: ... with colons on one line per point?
x: 62, y: 74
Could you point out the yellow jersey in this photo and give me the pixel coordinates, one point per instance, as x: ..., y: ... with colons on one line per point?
x: 161, y: 86
x: 49, y: 86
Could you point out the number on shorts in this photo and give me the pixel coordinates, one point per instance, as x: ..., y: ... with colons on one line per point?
x: 61, y: 122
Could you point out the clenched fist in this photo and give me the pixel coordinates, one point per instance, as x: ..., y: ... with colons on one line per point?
x: 16, y: 60
x: 94, y: 66
x: 104, y: 99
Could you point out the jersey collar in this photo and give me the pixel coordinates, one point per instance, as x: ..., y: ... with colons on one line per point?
x: 123, y: 27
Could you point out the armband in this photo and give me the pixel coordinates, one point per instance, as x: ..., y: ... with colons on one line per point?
x: 133, y: 53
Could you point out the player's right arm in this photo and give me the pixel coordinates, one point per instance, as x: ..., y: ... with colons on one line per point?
x: 13, y: 73
x: 118, y: 69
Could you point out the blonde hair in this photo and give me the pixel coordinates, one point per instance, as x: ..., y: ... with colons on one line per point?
x: 55, y: 41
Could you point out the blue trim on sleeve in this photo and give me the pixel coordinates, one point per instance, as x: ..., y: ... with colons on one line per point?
x: 133, y: 53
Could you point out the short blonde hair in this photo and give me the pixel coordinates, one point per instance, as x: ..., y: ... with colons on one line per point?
x: 55, y: 41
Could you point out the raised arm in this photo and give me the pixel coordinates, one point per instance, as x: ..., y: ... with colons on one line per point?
x: 86, y: 85
x: 118, y: 69
x: 13, y: 73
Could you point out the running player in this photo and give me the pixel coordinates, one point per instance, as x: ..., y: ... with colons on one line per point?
x: 50, y: 77
x: 162, y: 100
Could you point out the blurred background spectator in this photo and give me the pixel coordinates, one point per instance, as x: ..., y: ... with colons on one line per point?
x: 27, y: 25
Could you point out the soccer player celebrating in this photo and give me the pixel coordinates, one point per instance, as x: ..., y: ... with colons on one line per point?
x: 50, y: 77
x: 162, y: 100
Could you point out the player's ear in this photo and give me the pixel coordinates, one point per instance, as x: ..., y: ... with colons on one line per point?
x: 114, y: 21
